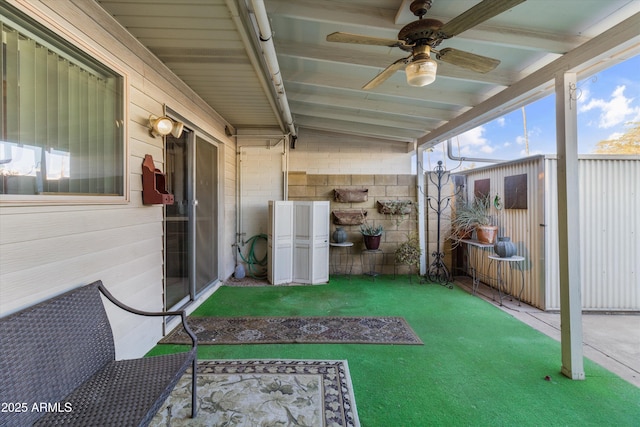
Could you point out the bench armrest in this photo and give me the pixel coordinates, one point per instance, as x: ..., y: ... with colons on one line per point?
x: 125, y: 307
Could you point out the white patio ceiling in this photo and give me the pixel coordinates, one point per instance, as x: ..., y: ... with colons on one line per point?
x: 213, y: 46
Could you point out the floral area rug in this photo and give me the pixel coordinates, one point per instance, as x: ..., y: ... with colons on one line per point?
x: 251, y: 393
x: 304, y: 330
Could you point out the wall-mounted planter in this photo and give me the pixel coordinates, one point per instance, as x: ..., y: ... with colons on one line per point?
x: 347, y: 195
x: 394, y: 207
x: 349, y: 217
x: 154, y: 186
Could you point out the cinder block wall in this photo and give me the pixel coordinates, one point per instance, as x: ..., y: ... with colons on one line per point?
x: 304, y: 186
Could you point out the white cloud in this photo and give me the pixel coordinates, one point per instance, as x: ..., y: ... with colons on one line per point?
x: 473, y: 141
x: 487, y: 149
x: 501, y: 121
x: 615, y: 111
x: 534, y: 131
x: 584, y: 96
x: 614, y: 136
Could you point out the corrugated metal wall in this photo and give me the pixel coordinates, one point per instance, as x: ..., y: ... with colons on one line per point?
x: 522, y: 225
x: 609, y: 233
x: 609, y: 229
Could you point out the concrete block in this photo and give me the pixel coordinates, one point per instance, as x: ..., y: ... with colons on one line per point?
x: 323, y: 192
x: 317, y: 179
x: 377, y: 191
x: 395, y: 236
x: 386, y: 180
x: 339, y: 180
x: 297, y: 178
x: 409, y: 180
x: 397, y: 190
x: 362, y: 180
x: 300, y: 191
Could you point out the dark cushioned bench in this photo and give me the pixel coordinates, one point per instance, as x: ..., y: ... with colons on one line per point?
x: 58, y: 367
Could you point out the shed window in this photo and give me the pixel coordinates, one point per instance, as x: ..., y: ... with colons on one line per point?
x: 61, y: 115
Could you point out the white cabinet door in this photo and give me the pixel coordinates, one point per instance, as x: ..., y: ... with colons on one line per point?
x: 302, y: 241
x: 280, y: 242
x: 298, y: 242
x: 320, y: 250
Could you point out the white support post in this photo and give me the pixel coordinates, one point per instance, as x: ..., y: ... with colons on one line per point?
x: 420, y: 194
x: 569, y: 227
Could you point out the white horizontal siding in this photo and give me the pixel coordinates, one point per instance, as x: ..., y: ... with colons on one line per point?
x: 46, y: 250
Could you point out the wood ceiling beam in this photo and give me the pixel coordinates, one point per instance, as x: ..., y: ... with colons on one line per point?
x: 418, y: 124
x: 345, y: 55
x: 336, y: 12
x: 338, y: 82
x: 381, y: 23
x: 355, y: 128
x: 386, y: 106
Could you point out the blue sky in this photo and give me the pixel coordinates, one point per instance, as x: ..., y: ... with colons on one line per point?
x: 607, y: 102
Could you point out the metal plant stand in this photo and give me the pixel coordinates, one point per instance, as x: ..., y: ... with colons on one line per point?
x: 437, y: 271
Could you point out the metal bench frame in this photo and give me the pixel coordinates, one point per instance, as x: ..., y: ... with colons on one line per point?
x: 58, y: 366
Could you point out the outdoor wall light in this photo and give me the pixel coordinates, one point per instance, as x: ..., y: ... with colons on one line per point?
x: 163, y: 126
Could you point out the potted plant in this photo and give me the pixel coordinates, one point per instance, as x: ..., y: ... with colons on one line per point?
x: 409, y: 252
x: 463, y: 221
x: 474, y: 216
x: 394, y: 207
x: 398, y: 209
x: 371, y: 235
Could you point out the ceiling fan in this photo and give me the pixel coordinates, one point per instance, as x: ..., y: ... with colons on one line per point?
x: 421, y: 37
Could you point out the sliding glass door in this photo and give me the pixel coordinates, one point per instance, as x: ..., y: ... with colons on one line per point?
x: 206, y: 214
x: 191, y: 223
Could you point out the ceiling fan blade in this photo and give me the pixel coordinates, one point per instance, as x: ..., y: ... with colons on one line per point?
x: 476, y: 15
x: 360, y: 39
x: 387, y: 72
x: 468, y: 60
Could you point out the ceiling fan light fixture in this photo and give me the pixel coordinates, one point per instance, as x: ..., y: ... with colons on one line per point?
x: 421, y: 72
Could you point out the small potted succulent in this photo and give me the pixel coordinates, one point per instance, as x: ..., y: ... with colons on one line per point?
x: 371, y: 235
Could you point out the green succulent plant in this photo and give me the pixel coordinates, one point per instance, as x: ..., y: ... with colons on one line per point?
x: 371, y: 230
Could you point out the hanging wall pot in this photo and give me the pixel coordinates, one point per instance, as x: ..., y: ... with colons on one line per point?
x: 351, y: 195
x: 394, y: 207
x: 349, y: 217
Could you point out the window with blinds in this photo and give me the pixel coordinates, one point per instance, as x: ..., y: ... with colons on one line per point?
x: 61, y: 116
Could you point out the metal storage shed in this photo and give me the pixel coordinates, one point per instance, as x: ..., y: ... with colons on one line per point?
x: 609, y: 230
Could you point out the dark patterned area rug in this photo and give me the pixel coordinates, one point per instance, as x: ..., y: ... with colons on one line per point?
x: 264, y: 393
x: 302, y: 330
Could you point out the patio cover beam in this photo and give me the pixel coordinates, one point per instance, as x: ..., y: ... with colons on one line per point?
x: 616, y: 44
